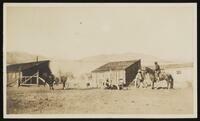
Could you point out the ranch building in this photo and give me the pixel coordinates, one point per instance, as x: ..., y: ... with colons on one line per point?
x: 27, y: 73
x: 115, y: 71
x: 182, y: 71
x: 183, y: 74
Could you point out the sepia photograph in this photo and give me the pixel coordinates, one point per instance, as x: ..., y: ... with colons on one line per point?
x: 100, y: 60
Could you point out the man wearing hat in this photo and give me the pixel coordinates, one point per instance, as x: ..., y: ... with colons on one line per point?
x: 157, y: 70
x: 139, y: 78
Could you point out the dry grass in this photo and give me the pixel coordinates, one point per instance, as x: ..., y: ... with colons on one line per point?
x: 41, y: 100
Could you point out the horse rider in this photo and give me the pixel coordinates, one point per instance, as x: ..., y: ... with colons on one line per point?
x: 157, y: 70
x: 139, y: 77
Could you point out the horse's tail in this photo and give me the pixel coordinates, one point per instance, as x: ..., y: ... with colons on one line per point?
x: 171, y: 82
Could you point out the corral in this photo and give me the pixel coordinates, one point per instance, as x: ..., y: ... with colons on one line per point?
x: 27, y: 73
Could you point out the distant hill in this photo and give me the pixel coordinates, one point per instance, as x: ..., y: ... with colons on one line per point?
x: 21, y: 57
x: 87, y: 64
x: 146, y: 59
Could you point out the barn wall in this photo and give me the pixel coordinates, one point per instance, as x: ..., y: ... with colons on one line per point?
x: 98, y: 78
x: 116, y: 76
x: 182, y: 76
x: 12, y: 78
x: 131, y: 72
x: 112, y: 76
x: 43, y: 68
x: 94, y: 78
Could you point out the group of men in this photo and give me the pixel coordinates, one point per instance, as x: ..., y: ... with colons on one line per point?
x: 140, y: 76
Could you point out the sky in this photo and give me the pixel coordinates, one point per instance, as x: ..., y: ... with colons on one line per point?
x: 75, y: 32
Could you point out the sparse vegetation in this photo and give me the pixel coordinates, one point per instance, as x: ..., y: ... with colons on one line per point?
x: 39, y: 100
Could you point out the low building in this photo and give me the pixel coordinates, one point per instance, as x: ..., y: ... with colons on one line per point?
x: 27, y: 73
x: 115, y: 71
x: 182, y: 73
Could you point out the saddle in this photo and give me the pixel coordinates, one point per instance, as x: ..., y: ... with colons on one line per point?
x: 157, y: 76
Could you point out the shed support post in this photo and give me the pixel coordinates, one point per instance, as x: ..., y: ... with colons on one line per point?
x: 38, y: 78
x: 18, y: 82
x: 19, y: 79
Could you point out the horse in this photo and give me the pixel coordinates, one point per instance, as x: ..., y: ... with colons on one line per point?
x: 45, y: 77
x: 63, y: 80
x: 163, y: 76
x: 51, y: 80
x: 57, y: 81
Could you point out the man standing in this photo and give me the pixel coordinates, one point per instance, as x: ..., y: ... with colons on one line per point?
x: 139, y: 79
x: 157, y: 71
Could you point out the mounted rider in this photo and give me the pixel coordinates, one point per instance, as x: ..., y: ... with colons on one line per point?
x: 157, y: 70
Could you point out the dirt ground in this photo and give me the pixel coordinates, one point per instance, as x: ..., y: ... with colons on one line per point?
x: 41, y: 100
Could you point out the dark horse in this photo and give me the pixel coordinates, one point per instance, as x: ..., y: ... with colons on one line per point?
x: 162, y: 76
x: 64, y: 80
x: 49, y: 79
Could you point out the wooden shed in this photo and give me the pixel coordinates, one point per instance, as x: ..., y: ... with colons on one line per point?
x: 27, y: 73
x: 115, y: 71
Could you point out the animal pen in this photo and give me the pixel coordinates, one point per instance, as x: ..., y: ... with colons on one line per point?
x: 27, y: 73
x: 116, y: 71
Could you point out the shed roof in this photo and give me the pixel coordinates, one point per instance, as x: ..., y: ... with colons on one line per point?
x: 118, y: 65
x: 24, y: 66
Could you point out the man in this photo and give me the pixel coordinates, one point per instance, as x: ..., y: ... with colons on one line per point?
x: 121, y: 83
x: 157, y: 71
x: 139, y: 79
x: 107, y: 84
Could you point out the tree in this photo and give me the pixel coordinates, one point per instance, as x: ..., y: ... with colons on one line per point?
x: 64, y: 77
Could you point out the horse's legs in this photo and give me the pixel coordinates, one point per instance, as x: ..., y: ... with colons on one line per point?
x: 167, y: 83
x: 171, y: 83
x: 137, y: 83
x: 144, y: 84
x: 152, y: 84
x: 52, y: 86
x: 63, y: 85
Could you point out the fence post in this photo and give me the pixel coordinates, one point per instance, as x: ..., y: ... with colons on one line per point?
x: 38, y: 78
x: 19, y: 79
